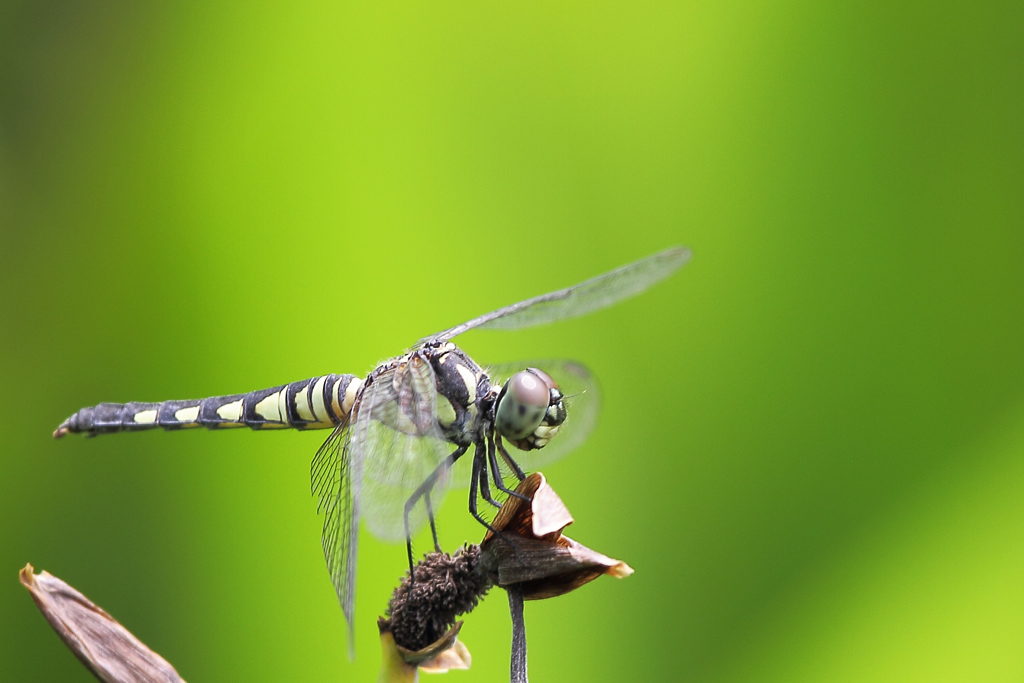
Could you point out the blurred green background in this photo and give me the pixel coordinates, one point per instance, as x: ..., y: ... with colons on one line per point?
x: 812, y: 442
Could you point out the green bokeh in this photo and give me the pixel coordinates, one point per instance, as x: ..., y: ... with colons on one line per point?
x: 812, y: 438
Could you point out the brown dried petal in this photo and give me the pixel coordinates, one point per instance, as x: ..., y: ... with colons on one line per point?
x: 455, y: 657
x: 550, y: 516
x: 543, y: 562
x: 106, y: 647
x: 544, y: 514
x: 399, y: 664
x: 547, y: 569
x: 434, y: 649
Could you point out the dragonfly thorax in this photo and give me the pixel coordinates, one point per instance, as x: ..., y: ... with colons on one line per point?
x: 527, y: 410
x: 464, y: 393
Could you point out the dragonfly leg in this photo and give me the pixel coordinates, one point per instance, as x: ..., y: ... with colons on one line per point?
x: 423, y: 490
x: 480, y: 474
x: 485, y: 488
x: 474, y: 485
x: 430, y: 516
x: 509, y: 460
x: 496, y: 472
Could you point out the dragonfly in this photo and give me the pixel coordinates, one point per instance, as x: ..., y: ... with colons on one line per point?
x: 399, y: 434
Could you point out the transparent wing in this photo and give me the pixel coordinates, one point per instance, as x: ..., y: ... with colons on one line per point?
x: 373, y: 465
x: 583, y: 403
x: 586, y: 297
x: 334, y: 481
x: 402, y: 447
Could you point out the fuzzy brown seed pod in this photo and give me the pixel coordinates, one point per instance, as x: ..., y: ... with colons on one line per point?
x: 446, y: 586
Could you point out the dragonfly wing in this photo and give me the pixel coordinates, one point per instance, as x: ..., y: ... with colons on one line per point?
x: 586, y: 297
x: 583, y: 403
x: 334, y: 481
x: 399, y: 396
x: 403, y: 448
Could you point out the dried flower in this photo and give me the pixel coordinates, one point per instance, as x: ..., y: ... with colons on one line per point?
x: 530, y: 558
x: 534, y: 554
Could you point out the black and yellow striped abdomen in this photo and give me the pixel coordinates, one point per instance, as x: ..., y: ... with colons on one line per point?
x: 317, y: 403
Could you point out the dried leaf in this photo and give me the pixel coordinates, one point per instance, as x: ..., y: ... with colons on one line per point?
x: 106, y: 647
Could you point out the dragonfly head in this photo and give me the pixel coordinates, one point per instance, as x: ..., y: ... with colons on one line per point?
x: 530, y: 410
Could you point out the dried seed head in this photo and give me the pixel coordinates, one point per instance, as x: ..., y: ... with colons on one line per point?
x: 446, y: 586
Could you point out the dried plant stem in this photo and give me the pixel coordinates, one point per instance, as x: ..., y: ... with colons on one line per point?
x: 515, y: 606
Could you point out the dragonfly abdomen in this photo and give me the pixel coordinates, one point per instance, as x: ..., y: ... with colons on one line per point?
x: 322, y: 402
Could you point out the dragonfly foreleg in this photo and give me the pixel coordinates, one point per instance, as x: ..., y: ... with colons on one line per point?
x: 474, y: 486
x: 424, y: 490
x: 480, y: 475
x: 516, y: 469
x: 485, y: 488
x: 499, y: 481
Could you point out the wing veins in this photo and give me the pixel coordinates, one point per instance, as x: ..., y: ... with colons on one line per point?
x: 580, y: 299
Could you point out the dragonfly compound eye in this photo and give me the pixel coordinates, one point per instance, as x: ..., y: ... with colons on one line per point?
x: 522, y: 405
x: 555, y: 414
